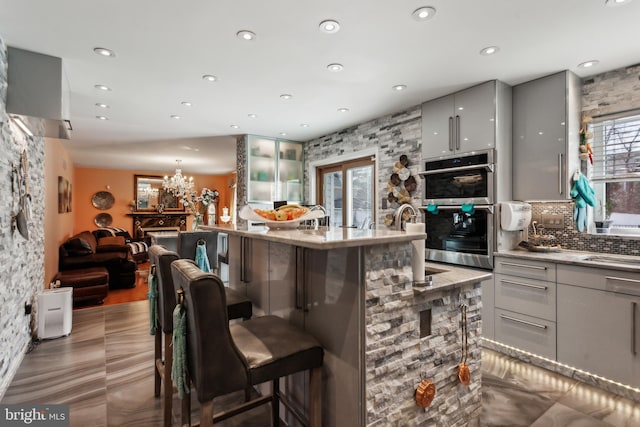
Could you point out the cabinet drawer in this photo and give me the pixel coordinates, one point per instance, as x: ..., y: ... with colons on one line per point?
x: 527, y: 333
x: 526, y: 268
x: 625, y: 282
x: 527, y: 296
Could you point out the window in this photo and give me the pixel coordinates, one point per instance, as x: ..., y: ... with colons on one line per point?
x: 347, y: 192
x: 616, y: 171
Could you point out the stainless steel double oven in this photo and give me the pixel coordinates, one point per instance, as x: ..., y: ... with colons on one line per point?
x: 459, y: 208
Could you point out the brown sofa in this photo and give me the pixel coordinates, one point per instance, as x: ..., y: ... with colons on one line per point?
x: 84, y: 251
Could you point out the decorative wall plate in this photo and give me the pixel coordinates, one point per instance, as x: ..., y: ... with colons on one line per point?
x: 103, y: 220
x: 103, y: 200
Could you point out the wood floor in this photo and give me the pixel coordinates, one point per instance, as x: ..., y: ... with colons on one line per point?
x: 104, y: 371
x: 119, y: 296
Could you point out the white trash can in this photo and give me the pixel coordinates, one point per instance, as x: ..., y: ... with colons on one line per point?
x: 55, y: 312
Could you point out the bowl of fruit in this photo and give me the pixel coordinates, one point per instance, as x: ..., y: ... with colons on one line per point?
x: 287, y: 216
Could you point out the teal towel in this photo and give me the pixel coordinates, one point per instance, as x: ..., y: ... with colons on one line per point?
x: 179, y: 368
x: 583, y: 194
x: 201, y: 258
x: 152, y: 282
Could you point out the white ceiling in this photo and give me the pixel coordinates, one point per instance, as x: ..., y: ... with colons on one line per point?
x: 164, y: 47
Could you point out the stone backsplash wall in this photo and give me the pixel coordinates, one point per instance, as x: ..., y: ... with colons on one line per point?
x: 397, y: 358
x: 393, y: 135
x: 570, y: 238
x: 21, y: 261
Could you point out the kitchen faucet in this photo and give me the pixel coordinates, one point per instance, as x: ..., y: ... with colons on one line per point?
x: 324, y: 211
x: 400, y: 211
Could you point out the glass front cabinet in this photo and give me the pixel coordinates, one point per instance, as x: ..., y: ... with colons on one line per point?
x: 275, y: 171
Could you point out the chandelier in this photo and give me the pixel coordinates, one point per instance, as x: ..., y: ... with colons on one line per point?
x: 178, y: 185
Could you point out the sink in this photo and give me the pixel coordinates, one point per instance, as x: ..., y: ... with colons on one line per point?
x: 612, y: 260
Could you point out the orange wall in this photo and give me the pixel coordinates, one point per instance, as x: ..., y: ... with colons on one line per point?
x: 57, y: 226
x: 88, y: 181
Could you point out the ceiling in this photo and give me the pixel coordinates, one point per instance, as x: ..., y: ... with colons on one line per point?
x: 163, y: 48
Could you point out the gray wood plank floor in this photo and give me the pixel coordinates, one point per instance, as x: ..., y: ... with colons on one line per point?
x: 104, y: 371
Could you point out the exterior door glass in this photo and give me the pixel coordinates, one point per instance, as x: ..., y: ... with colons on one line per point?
x: 332, y: 196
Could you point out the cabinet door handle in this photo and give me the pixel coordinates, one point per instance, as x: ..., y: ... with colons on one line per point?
x: 622, y: 279
x: 512, y: 264
x: 242, y: 261
x: 245, y: 272
x: 457, y: 132
x: 450, y: 133
x: 524, y: 322
x: 527, y: 285
x: 634, y: 305
x: 560, y: 173
x: 300, y: 278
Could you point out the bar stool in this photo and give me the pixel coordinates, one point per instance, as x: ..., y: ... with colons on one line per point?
x: 223, y: 358
x: 238, y: 305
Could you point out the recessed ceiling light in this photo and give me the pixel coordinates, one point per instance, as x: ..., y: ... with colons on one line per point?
x: 103, y: 51
x: 399, y: 87
x: 489, y: 50
x: 588, y: 64
x: 103, y: 87
x: 186, y: 103
x: 252, y: 116
x: 175, y: 117
x: 246, y: 35
x: 616, y: 2
x: 423, y: 13
x: 343, y: 110
x: 335, y: 67
x: 286, y: 96
x: 304, y: 125
x: 329, y: 26
x: 210, y: 78
x: 102, y: 118
x: 235, y: 126
x: 283, y: 134
x: 101, y: 105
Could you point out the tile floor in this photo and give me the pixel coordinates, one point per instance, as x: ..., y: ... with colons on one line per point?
x: 103, y: 370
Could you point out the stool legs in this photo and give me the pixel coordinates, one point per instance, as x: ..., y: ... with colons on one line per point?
x: 275, y: 403
x: 315, y: 397
x: 163, y: 375
x: 157, y: 354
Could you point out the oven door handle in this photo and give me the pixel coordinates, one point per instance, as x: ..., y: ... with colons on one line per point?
x: 459, y: 207
x: 487, y: 166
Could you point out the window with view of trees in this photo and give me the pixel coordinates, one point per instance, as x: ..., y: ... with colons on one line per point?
x: 616, y: 171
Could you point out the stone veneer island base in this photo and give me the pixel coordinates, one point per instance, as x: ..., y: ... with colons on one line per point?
x: 353, y: 290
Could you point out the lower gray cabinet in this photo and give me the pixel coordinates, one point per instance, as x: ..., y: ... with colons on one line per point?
x: 488, y: 308
x: 526, y: 333
x: 599, y: 322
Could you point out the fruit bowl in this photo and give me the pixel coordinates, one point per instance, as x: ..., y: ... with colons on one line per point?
x: 249, y: 214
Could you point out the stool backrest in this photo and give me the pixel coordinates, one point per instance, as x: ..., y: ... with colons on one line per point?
x: 188, y: 241
x: 162, y: 259
x: 216, y: 367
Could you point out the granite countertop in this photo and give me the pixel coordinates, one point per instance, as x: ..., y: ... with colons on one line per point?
x: 448, y: 276
x: 587, y: 259
x: 322, y: 238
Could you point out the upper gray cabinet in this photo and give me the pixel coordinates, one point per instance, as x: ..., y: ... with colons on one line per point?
x: 546, y: 122
x: 459, y: 123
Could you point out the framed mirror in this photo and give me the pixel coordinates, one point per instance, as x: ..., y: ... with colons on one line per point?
x: 149, y: 194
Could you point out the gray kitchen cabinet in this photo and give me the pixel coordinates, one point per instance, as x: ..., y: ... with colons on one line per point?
x: 525, y: 305
x: 249, y: 271
x: 460, y: 123
x: 321, y: 292
x: 599, y: 322
x: 546, y: 124
x: 488, y: 309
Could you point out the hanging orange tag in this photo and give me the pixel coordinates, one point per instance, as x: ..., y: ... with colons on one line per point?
x: 425, y: 393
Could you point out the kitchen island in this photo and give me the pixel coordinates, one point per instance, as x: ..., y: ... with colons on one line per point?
x: 382, y: 335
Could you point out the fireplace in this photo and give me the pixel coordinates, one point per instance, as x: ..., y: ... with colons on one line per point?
x: 166, y: 221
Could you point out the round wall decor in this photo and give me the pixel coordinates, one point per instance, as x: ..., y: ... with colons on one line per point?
x: 103, y: 200
x: 103, y: 220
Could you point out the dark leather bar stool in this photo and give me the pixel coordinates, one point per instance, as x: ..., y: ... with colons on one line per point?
x: 223, y: 358
x: 238, y: 305
x: 161, y: 260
